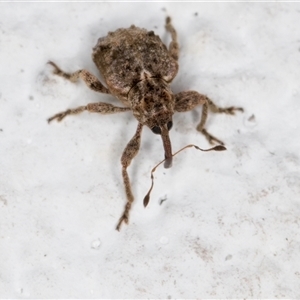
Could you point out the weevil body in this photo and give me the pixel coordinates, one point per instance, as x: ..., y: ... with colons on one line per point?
x: 138, y: 68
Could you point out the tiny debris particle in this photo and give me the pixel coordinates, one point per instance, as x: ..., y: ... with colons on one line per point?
x: 163, y: 200
x: 228, y: 257
x: 3, y: 200
x: 250, y: 122
x: 96, y: 244
x: 251, y: 118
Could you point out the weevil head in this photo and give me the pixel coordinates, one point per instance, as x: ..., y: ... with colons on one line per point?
x: 153, y: 105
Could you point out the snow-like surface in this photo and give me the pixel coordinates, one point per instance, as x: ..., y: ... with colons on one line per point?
x: 230, y: 224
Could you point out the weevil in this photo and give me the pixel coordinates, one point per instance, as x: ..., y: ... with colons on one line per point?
x: 138, y: 69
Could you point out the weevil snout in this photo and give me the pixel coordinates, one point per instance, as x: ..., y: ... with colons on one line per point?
x: 163, y: 130
x: 168, y: 148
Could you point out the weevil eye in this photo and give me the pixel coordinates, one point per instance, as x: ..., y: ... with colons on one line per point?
x: 169, y: 125
x: 156, y: 130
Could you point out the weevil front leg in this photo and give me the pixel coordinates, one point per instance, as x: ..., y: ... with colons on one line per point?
x: 129, y: 153
x: 174, y: 46
x: 188, y: 100
x: 91, y: 80
x: 99, y: 107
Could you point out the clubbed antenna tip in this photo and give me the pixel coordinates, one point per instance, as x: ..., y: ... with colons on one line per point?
x: 216, y: 148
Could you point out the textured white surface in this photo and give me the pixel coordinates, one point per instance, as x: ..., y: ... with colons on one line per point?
x: 230, y: 224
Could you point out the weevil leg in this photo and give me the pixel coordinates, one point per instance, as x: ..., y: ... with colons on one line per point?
x: 91, y: 80
x: 99, y: 107
x: 129, y: 153
x: 174, y: 46
x: 188, y: 100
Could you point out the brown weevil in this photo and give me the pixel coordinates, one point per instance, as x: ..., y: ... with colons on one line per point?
x: 138, y: 68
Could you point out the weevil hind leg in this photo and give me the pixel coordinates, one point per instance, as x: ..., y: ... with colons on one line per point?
x: 216, y: 109
x: 90, y: 80
x: 188, y: 100
x: 226, y: 110
x: 174, y: 46
x: 200, y: 127
x: 129, y: 153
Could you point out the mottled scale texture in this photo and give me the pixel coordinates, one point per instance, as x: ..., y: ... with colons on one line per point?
x: 125, y: 54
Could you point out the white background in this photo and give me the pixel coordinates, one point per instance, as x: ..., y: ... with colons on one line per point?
x: 230, y: 224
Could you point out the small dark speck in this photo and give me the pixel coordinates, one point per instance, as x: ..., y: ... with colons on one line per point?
x: 21, y: 70
x: 195, y: 14
x: 162, y: 200
x: 163, y: 9
x: 251, y: 118
x: 1, y: 129
x: 228, y: 257
x: 3, y: 200
x: 31, y: 98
